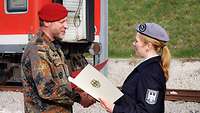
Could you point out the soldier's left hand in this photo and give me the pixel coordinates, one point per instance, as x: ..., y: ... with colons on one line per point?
x: 86, y: 99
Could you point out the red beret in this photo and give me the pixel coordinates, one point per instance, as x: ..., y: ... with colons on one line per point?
x: 52, y: 12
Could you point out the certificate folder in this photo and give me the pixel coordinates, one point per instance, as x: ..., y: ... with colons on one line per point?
x: 96, y: 84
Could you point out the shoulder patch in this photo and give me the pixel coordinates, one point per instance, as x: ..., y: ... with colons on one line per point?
x: 151, y: 96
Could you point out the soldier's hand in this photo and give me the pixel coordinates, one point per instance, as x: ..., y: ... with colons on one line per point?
x: 86, y: 99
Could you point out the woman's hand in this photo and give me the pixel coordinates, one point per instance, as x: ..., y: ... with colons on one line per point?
x: 107, y: 106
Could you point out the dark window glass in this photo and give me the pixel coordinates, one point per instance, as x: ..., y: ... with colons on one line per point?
x: 16, y: 6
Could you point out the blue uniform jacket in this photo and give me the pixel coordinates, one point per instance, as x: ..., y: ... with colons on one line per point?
x: 144, y: 89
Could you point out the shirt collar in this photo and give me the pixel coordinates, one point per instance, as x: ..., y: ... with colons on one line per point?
x: 147, y: 60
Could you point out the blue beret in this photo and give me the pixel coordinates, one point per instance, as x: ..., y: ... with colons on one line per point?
x: 153, y: 30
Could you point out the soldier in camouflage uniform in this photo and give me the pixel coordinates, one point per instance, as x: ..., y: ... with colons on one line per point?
x: 45, y: 73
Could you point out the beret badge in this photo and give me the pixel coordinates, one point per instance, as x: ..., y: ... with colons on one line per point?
x: 142, y: 27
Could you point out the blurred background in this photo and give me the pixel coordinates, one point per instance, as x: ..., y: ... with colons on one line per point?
x: 180, y: 18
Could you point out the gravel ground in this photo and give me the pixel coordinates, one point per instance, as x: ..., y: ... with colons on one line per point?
x: 184, y: 74
x: 11, y: 102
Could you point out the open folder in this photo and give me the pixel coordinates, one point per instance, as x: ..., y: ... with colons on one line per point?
x: 96, y: 84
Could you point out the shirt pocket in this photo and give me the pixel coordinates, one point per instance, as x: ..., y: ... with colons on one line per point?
x: 55, y: 58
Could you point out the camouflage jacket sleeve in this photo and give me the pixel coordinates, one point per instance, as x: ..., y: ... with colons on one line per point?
x: 50, y: 76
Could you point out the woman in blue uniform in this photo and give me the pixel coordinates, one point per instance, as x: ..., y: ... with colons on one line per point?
x: 144, y: 89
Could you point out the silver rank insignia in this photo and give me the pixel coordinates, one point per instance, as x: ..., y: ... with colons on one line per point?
x: 95, y: 83
x: 151, y: 96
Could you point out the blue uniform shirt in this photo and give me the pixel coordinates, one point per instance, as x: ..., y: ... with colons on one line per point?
x: 144, y: 89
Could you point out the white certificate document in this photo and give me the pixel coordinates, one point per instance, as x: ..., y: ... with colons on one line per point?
x: 96, y: 84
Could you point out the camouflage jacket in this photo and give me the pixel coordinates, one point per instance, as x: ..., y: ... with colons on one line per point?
x: 45, y: 78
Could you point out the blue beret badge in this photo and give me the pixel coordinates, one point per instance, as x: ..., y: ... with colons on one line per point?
x: 142, y: 27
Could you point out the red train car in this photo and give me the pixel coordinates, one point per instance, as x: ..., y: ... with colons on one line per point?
x: 19, y: 22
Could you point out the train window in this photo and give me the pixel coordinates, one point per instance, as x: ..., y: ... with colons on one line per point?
x: 16, y: 6
x: 58, y: 1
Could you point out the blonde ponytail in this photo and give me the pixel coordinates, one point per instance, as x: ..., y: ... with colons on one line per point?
x: 165, y: 61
